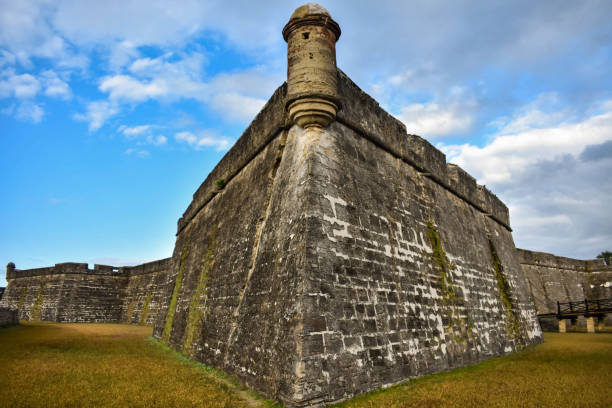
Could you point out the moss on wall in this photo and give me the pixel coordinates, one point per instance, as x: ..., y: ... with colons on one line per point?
x: 37, y: 307
x: 175, y: 293
x: 504, y: 294
x: 130, y: 310
x: 196, y: 310
x: 459, y: 327
x: 22, y: 298
x: 144, y: 314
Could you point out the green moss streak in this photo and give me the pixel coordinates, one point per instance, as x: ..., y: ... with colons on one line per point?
x: 130, y: 310
x: 22, y: 298
x: 175, y: 293
x: 458, y: 325
x: 194, y: 319
x: 38, y: 302
x: 144, y: 314
x: 504, y: 294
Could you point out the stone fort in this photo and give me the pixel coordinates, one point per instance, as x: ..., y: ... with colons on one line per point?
x: 362, y: 259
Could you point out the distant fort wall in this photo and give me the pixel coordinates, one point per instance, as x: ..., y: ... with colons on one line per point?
x: 71, y: 292
x: 555, y: 279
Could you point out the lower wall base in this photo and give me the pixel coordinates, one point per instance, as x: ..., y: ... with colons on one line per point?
x: 8, y: 317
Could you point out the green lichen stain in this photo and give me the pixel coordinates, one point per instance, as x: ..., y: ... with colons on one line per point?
x: 130, y: 310
x: 36, y: 309
x: 504, y: 293
x: 22, y: 298
x: 194, y: 319
x: 460, y: 327
x: 175, y: 293
x: 144, y: 314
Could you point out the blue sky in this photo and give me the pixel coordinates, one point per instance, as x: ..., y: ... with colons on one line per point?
x: 112, y: 113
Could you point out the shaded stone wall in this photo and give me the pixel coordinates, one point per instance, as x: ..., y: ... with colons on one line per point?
x: 336, y: 261
x: 8, y: 317
x: 238, y: 259
x: 70, y: 292
x: 555, y: 279
x: 144, y: 291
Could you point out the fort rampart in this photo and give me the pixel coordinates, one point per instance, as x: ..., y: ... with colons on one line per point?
x: 362, y: 259
x: 555, y: 279
x: 70, y: 292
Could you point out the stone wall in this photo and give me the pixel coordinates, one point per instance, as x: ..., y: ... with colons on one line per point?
x: 144, y: 291
x: 1, y: 292
x: 70, y: 292
x: 360, y: 259
x: 8, y: 317
x: 555, y: 279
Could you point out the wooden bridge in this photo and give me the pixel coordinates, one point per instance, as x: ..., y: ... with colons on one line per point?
x: 587, y: 308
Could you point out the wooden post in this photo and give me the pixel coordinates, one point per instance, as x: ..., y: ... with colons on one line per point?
x: 562, y: 327
x: 590, y: 324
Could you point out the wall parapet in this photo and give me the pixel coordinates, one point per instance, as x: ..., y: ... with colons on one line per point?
x: 363, y: 114
x: 71, y: 268
x: 264, y: 128
x: 545, y: 259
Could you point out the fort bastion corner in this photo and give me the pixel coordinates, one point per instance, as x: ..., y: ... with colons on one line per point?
x: 362, y: 259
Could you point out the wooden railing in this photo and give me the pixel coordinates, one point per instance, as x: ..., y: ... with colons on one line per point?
x: 584, y: 307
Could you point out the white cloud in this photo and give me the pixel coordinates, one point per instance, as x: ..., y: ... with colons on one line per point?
x: 54, y: 86
x: 126, y: 88
x: 432, y: 120
x: 26, y: 31
x: 142, y: 134
x: 153, y: 22
x: 203, y: 139
x: 554, y: 177
x: 134, y: 130
x: 137, y: 152
x: 238, y: 107
x: 159, y: 79
x: 121, y: 54
x: 186, y: 137
x: 449, y: 115
x: 18, y: 86
x: 509, y: 154
x: 30, y: 111
x: 97, y: 113
x: 237, y: 96
x: 157, y: 140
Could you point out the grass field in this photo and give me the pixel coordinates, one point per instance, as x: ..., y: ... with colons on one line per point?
x: 108, y: 365
x: 105, y: 365
x: 567, y: 370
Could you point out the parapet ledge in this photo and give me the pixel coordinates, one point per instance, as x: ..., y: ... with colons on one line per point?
x: 82, y: 268
x: 493, y: 206
x: 597, y: 265
x: 363, y: 114
x: 269, y: 121
x: 149, y: 267
x: 548, y: 260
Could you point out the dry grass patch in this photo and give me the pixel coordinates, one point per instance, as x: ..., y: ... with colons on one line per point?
x: 105, y: 365
x: 567, y: 370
